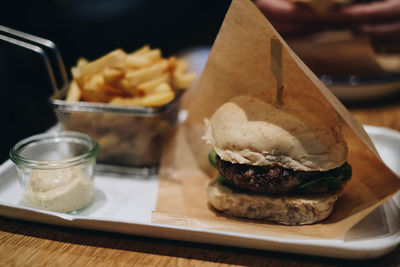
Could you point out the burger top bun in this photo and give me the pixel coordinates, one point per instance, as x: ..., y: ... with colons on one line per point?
x: 247, y: 130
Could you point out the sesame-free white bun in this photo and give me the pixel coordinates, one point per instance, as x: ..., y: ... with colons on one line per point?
x: 287, y: 210
x: 248, y: 130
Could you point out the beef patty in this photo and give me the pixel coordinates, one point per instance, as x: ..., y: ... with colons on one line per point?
x: 266, y: 179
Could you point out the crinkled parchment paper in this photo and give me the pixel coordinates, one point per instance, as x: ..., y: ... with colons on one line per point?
x: 239, y: 63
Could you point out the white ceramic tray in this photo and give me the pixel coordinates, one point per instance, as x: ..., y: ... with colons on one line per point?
x: 124, y: 205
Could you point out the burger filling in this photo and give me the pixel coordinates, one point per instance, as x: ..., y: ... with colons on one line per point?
x: 279, y: 180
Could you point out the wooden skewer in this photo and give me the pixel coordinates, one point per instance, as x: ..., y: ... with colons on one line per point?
x: 276, y: 67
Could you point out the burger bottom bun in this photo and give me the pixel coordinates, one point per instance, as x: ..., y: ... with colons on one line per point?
x: 287, y: 210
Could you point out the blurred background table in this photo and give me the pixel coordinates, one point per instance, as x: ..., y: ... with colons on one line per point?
x: 27, y: 244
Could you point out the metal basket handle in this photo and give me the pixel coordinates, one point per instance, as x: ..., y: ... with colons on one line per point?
x: 40, y: 46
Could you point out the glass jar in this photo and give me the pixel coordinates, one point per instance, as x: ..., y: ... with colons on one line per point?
x: 56, y: 170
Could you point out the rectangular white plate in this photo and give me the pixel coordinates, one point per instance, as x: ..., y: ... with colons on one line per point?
x: 124, y: 205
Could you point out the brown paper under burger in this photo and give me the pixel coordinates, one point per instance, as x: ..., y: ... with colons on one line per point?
x: 239, y: 63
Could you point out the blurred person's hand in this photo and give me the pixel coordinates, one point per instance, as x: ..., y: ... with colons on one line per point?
x: 289, y: 18
x: 379, y: 20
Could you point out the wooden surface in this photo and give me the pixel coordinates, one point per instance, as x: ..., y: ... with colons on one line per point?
x: 383, y: 112
x: 29, y: 244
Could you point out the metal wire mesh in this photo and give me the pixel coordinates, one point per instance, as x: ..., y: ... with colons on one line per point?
x: 128, y: 136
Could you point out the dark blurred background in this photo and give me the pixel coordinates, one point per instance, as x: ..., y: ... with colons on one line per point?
x: 87, y: 28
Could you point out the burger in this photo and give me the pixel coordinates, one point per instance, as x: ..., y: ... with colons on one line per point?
x: 282, y: 164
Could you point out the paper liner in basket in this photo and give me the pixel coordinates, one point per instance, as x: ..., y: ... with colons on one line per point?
x: 239, y: 63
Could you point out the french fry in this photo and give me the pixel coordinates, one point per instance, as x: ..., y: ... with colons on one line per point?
x: 144, y: 49
x: 126, y: 86
x: 76, y: 72
x: 112, y: 59
x: 149, y: 86
x: 112, y: 75
x: 162, y: 88
x: 93, y: 89
x: 95, y: 95
x: 102, y: 82
x: 180, y: 66
x: 74, y: 93
x: 137, y: 61
x: 94, y: 81
x: 136, y: 77
x: 160, y: 99
x: 111, y: 89
x: 144, y: 59
x: 153, y: 55
x: 82, y: 62
x: 183, y: 80
x: 151, y: 100
x: 172, y: 61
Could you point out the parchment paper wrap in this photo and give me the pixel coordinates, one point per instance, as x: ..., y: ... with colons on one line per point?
x: 239, y: 63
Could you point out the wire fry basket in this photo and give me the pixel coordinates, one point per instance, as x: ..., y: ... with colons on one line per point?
x: 130, y: 138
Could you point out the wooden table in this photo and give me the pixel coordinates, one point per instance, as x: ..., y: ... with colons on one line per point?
x: 26, y: 244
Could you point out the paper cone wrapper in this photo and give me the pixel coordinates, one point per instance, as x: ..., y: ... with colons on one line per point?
x: 239, y: 63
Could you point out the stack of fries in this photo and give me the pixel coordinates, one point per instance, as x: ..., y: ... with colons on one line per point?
x: 140, y: 78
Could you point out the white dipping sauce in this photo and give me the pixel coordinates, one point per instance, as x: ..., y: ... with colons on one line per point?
x: 60, y: 190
